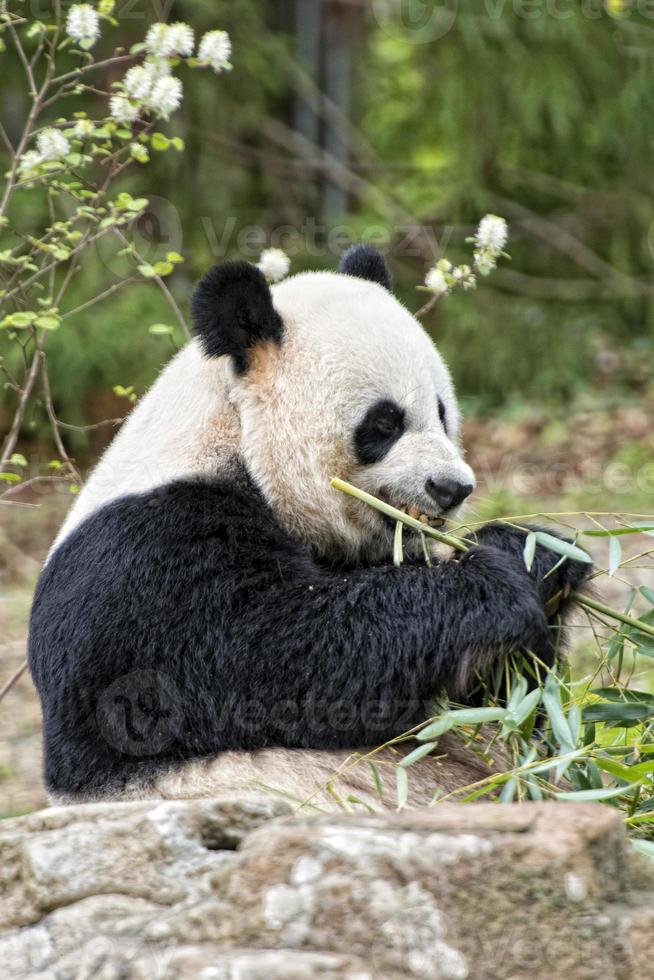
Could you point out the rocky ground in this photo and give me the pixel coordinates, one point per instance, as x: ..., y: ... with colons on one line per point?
x: 228, y: 890
x: 600, y: 460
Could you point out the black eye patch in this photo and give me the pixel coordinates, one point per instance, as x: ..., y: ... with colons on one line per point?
x: 442, y: 414
x: 381, y: 427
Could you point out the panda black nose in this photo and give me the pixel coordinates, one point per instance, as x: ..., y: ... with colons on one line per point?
x: 448, y: 493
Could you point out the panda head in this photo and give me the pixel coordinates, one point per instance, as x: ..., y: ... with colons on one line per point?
x: 331, y: 376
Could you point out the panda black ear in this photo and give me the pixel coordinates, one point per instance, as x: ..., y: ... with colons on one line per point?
x: 233, y: 311
x: 365, y: 262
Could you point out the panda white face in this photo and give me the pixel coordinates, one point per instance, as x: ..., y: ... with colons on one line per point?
x: 326, y: 375
x: 355, y: 389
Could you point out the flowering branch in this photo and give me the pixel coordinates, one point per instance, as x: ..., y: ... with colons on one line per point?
x: 75, y: 161
x: 489, y: 242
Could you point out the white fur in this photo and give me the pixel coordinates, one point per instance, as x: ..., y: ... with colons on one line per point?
x: 183, y: 426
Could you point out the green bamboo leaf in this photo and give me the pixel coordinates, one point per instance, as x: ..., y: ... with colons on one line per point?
x: 552, y: 703
x: 477, y: 716
x: 378, y: 781
x: 552, y: 763
x: 574, y: 722
x: 533, y: 789
x: 619, y: 531
x: 518, y: 693
x: 584, y: 795
x: 436, y: 729
x: 508, y: 791
x: 530, y: 550
x: 562, y: 547
x: 615, y: 769
x: 615, y: 555
x: 526, y: 706
x: 618, y: 712
x: 640, y: 770
x: 622, y: 694
x: 418, y: 753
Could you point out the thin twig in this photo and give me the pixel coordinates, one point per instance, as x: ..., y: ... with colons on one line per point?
x: 28, y: 387
x: 54, y: 422
x: 12, y: 680
x: 162, y: 286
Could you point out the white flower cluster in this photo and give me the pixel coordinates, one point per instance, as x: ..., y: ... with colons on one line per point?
x: 490, y: 240
x: 83, y: 24
x: 215, y: 51
x: 51, y: 144
x: 170, y: 40
x: 274, y: 263
x: 147, y: 88
x: 444, y: 277
x: 83, y: 128
x: 151, y: 87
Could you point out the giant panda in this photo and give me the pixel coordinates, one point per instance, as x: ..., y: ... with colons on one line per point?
x: 214, y: 617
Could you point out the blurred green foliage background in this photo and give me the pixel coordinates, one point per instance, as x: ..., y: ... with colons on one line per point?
x: 540, y: 112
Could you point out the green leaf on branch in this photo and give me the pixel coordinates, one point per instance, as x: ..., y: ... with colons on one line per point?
x: 615, y: 555
x: 530, y: 550
x: 587, y: 795
x: 562, y: 547
x: 161, y: 329
x: 159, y: 142
x: 618, y: 712
x: 418, y: 753
x: 615, y: 532
x: 552, y: 703
x: 48, y: 321
x: 163, y: 268
x: 19, y: 321
x: 460, y: 716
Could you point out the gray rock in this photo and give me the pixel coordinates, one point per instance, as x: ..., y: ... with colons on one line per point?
x: 229, y: 890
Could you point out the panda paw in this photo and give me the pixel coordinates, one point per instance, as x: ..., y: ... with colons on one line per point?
x: 554, y: 581
x: 510, y: 615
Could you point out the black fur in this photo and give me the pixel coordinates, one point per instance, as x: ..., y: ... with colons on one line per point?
x: 233, y: 311
x: 442, y: 414
x: 379, y: 430
x: 179, y: 622
x: 365, y: 262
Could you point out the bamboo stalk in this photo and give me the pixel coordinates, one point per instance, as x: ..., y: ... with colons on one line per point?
x: 457, y: 544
